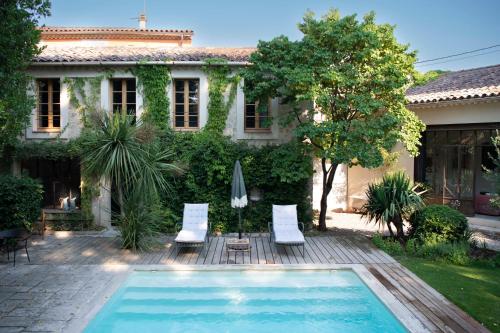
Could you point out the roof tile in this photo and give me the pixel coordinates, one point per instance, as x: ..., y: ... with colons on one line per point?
x: 466, y: 84
x: 134, y: 53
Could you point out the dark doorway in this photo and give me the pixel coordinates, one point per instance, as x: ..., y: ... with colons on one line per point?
x: 60, y: 179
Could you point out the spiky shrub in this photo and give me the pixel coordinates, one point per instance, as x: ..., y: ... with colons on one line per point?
x: 128, y: 155
x: 139, y: 222
x: 391, y: 201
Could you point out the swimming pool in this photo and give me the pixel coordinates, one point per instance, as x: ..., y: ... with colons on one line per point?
x: 244, y: 301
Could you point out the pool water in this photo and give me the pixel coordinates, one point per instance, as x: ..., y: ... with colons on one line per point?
x: 244, y: 301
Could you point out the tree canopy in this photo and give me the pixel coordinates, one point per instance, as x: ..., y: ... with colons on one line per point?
x: 345, y: 81
x: 18, y: 45
x: 421, y: 78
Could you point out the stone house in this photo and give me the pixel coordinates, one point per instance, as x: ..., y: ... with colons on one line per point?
x: 461, y: 110
x: 91, y: 52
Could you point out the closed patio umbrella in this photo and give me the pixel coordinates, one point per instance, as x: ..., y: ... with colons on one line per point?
x: 238, y: 193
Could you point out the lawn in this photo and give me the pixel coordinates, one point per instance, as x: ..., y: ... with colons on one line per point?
x: 475, y: 288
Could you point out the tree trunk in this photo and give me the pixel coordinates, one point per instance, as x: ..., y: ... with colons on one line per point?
x: 120, y: 201
x: 328, y: 174
x: 398, y: 222
x: 390, y: 229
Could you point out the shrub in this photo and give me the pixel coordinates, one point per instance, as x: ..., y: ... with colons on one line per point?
x: 281, y: 174
x: 453, y: 252
x: 438, y: 223
x: 20, y: 202
x: 389, y: 245
x: 138, y: 224
x: 391, y: 201
x: 130, y: 155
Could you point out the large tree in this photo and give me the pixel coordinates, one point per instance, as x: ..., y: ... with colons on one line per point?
x: 18, y: 45
x: 345, y: 81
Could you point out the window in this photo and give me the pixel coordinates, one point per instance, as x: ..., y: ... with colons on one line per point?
x: 49, y: 107
x: 451, y: 163
x: 255, y: 120
x: 123, y: 96
x: 186, y: 103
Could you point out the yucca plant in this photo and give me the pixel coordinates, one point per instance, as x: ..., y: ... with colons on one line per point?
x: 127, y: 154
x: 391, y: 201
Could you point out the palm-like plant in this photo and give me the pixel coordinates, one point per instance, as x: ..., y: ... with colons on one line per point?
x: 127, y: 155
x: 391, y: 201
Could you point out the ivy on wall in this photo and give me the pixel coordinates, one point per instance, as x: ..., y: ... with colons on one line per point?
x: 47, y: 149
x: 85, y: 101
x: 153, y: 80
x: 279, y: 173
x: 85, y: 98
x: 219, y: 80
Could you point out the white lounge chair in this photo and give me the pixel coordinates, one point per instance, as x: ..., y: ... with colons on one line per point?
x: 195, y: 226
x: 284, y: 229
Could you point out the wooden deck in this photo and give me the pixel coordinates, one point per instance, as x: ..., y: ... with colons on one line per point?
x: 330, y: 249
x: 434, y: 312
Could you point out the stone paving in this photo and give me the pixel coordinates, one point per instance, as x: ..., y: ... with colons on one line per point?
x: 44, y: 298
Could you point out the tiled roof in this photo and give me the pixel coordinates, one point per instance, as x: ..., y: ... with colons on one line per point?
x: 93, y: 33
x: 466, y: 84
x: 67, y: 54
x: 108, y: 29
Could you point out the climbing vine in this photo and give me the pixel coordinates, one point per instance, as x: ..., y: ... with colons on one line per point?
x: 219, y: 81
x: 85, y: 101
x: 85, y: 97
x: 154, y: 80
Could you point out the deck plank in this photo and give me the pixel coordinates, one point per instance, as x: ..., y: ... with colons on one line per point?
x: 315, y: 250
x: 268, y: 254
x: 211, y: 251
x: 403, y: 300
x: 344, y: 255
x: 451, y: 316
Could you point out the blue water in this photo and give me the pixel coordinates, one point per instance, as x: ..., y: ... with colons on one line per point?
x: 244, y: 301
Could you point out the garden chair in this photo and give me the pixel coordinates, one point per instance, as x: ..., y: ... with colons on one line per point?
x: 284, y: 229
x: 195, y: 227
x: 14, y: 239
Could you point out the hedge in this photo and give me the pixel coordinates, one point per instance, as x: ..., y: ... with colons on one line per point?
x: 280, y: 173
x: 20, y: 202
x: 439, y: 223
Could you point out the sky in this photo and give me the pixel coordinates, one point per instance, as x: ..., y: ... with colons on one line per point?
x: 435, y: 28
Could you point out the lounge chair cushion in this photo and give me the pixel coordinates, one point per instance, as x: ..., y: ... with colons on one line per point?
x: 289, y: 237
x: 191, y: 236
x: 195, y: 217
x: 194, y: 224
x: 285, y: 224
x: 285, y: 218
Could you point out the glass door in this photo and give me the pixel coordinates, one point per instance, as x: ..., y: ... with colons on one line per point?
x: 458, y: 177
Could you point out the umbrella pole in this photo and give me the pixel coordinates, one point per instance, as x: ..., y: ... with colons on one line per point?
x: 239, y: 223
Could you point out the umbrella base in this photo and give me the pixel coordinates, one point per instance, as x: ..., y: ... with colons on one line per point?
x: 236, y: 244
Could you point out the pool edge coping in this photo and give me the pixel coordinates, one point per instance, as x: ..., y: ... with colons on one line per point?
x: 403, y: 315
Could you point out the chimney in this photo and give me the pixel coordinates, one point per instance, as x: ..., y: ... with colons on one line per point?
x: 142, y: 21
